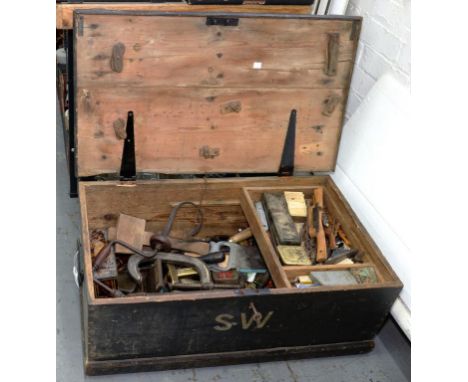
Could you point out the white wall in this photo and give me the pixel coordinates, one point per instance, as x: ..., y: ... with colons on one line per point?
x: 385, y: 45
x: 376, y: 156
x: 374, y: 172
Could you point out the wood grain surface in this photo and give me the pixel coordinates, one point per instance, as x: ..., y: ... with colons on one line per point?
x: 209, y: 98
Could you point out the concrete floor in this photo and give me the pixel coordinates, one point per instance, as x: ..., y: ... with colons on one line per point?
x: 390, y: 361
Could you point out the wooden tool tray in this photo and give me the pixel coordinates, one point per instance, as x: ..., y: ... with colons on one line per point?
x: 356, y: 233
x: 206, y: 94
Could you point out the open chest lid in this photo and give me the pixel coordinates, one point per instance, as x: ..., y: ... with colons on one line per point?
x: 210, y: 92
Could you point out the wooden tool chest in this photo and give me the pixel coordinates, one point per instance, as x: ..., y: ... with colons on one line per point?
x: 210, y: 107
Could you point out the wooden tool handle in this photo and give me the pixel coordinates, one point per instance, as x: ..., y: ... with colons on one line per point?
x: 310, y: 220
x: 321, y: 242
x: 320, y: 238
x: 318, y: 196
x: 102, y: 255
x: 332, y: 241
x: 331, y: 232
x: 241, y: 236
x: 343, y: 237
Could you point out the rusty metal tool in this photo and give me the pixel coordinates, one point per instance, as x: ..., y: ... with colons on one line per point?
x: 161, y: 241
x: 102, y: 257
x: 158, y: 242
x: 105, y: 252
x: 340, y: 254
x: 108, y: 268
x: 135, y: 260
x: 168, y: 227
x: 159, y: 275
x: 112, y: 292
x: 125, y: 283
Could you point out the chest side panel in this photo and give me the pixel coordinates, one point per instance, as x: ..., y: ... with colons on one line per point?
x: 121, y: 331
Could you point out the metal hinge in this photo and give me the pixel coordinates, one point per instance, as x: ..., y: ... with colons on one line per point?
x: 286, y: 167
x: 128, y: 165
x: 222, y: 21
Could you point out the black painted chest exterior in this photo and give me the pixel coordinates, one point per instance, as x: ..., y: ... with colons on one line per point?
x: 213, y: 93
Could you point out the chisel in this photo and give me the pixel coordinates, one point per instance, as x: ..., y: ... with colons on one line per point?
x: 320, y: 234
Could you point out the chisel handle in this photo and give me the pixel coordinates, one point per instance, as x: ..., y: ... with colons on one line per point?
x: 321, y: 241
x: 318, y: 196
x: 102, y: 255
x: 241, y: 236
x: 213, y: 257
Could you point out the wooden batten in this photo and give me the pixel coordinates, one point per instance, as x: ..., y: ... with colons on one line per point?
x: 210, y: 98
x: 64, y: 11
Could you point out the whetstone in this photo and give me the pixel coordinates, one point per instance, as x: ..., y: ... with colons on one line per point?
x: 341, y: 277
x: 293, y: 255
x: 281, y: 223
x: 130, y: 230
x: 296, y: 204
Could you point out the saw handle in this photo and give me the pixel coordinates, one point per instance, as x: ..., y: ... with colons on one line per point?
x: 213, y: 257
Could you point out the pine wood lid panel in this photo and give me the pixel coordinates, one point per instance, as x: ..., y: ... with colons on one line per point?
x: 209, y: 98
